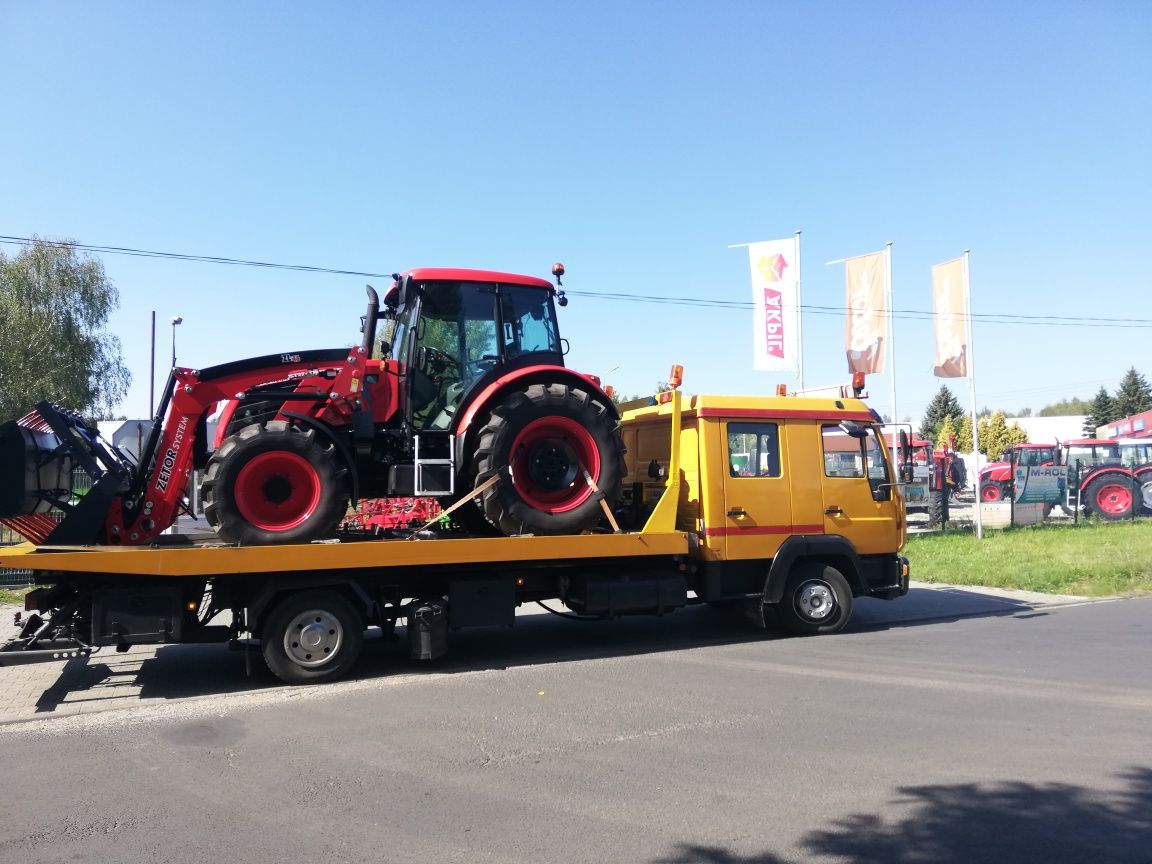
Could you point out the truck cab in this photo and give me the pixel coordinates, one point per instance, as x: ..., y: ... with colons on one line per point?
x: 772, y: 487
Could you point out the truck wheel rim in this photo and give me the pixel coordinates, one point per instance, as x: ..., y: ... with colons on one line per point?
x: 990, y: 493
x: 1114, y: 499
x: 815, y: 601
x: 547, y: 457
x: 313, y: 638
x: 277, y: 491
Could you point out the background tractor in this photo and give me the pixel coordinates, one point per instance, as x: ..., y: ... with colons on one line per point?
x: 996, y: 477
x: 470, y: 393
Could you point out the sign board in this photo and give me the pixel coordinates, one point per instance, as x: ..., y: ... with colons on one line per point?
x: 1041, y: 484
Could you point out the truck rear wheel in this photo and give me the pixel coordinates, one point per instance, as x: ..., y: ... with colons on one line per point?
x: 312, y: 637
x: 816, y: 601
x: 1110, y: 497
x: 547, y: 436
x: 275, y: 483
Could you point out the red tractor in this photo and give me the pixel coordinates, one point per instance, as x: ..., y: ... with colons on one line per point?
x: 1109, y: 478
x: 996, y: 477
x: 471, y: 391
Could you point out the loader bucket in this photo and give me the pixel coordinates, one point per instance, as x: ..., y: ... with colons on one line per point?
x: 35, y: 471
x: 39, y: 497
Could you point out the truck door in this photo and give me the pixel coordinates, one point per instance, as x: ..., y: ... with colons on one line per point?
x: 757, y: 503
x: 860, y: 502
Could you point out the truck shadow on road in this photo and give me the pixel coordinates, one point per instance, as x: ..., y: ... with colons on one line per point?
x: 963, y: 823
x: 185, y: 671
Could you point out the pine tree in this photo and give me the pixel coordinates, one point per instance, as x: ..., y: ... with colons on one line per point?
x: 1101, y: 411
x: 1133, y: 396
x: 943, y: 405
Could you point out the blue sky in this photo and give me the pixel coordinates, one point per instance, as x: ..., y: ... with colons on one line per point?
x: 632, y: 141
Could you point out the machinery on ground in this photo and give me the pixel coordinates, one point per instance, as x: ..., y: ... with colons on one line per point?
x: 1109, y: 478
x: 996, y: 477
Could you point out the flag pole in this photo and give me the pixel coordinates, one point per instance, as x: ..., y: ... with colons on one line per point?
x: 799, y: 316
x: 972, y: 394
x: 891, y: 349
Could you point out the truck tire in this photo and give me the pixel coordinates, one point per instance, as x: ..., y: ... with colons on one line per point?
x: 312, y: 637
x: 275, y: 483
x: 816, y: 600
x: 1110, y: 497
x: 544, y: 437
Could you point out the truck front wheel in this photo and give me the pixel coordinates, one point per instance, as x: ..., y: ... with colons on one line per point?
x: 816, y: 601
x: 312, y: 637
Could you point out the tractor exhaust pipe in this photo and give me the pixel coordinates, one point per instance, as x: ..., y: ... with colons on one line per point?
x: 370, y: 319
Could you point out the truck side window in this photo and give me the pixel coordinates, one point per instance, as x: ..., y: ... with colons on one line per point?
x: 753, y: 450
x: 858, y: 455
x: 843, y: 454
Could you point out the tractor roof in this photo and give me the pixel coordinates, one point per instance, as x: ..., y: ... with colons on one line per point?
x: 457, y: 274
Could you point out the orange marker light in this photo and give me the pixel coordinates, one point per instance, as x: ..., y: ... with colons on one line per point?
x: 857, y: 383
x: 676, y: 376
x: 781, y: 389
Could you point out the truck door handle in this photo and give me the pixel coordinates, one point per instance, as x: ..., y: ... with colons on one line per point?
x: 737, y: 513
x: 833, y: 511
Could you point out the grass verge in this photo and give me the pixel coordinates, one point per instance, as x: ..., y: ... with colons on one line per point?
x: 11, y: 597
x: 1096, y: 559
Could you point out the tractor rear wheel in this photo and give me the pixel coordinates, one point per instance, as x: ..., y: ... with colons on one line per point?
x: 275, y: 483
x: 991, y: 491
x: 546, y: 437
x: 1110, y: 497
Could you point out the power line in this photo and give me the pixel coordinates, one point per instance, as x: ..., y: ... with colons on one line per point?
x: 699, y: 302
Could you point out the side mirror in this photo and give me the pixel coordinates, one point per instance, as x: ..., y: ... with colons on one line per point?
x: 905, y: 448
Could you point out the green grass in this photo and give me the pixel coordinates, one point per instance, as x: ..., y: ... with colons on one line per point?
x: 12, y: 597
x: 1096, y: 559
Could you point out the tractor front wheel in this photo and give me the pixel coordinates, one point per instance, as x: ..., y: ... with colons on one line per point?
x: 275, y: 483
x: 991, y: 491
x: 548, y: 437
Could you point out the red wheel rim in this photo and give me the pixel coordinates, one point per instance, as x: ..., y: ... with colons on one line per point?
x: 277, y: 491
x: 547, y: 457
x: 990, y: 493
x: 1114, y: 499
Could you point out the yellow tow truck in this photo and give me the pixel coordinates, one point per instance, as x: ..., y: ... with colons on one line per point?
x: 785, y: 507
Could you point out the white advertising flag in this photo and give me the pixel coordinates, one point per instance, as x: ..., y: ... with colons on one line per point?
x: 776, y: 314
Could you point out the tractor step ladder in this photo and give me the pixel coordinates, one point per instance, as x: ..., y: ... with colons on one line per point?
x: 435, y: 476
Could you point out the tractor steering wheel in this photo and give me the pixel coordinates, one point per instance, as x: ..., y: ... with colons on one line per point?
x: 435, y: 363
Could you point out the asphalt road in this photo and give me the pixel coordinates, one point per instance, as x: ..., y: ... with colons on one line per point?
x: 941, y: 727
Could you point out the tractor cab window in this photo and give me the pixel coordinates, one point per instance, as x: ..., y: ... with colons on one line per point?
x: 1032, y: 456
x: 455, y: 344
x: 529, y: 321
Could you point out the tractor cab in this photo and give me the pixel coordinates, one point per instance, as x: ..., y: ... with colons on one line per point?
x: 458, y: 330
